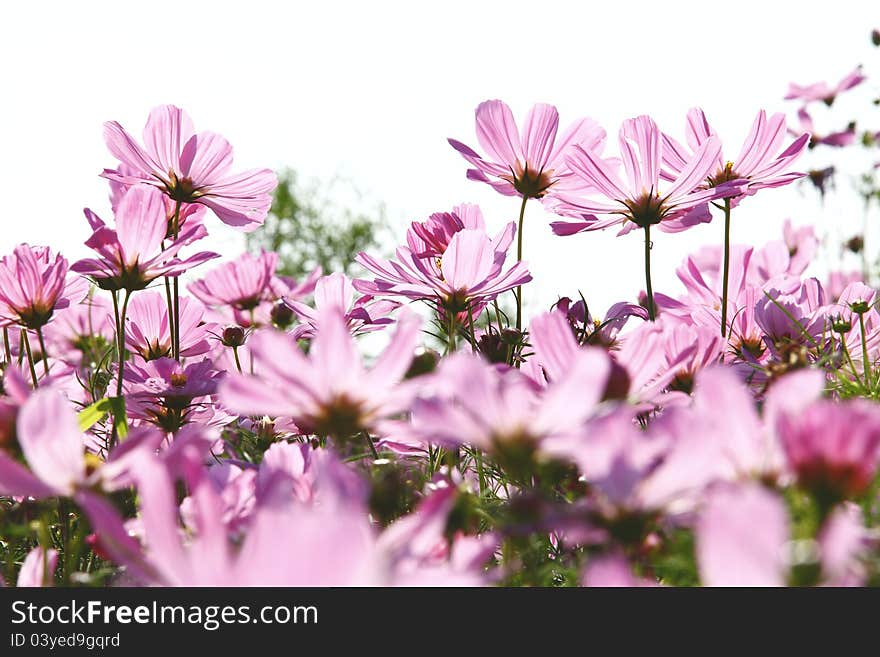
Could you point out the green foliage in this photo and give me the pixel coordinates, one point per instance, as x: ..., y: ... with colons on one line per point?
x: 309, y: 227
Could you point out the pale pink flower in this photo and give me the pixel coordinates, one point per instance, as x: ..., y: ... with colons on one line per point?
x: 133, y: 254
x: 838, y: 138
x: 38, y: 569
x: 759, y: 165
x: 741, y: 533
x: 147, y: 331
x: 362, y: 315
x: 329, y: 392
x: 75, y: 327
x: 191, y: 167
x: 529, y: 164
x: 822, y: 90
x: 470, y: 272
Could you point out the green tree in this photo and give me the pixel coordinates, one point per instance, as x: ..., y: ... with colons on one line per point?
x: 309, y: 226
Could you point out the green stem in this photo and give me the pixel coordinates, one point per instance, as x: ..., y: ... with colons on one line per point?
x: 849, y: 359
x: 726, y: 267
x: 450, y: 334
x: 170, y: 301
x: 372, y: 445
x: 519, y: 254
x: 471, y: 327
x: 237, y: 362
x: 30, y: 357
x: 43, y: 354
x: 6, y: 345
x: 120, y: 338
x: 649, y: 290
x: 866, y: 366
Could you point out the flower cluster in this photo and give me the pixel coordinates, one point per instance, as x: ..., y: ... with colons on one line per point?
x: 244, y: 434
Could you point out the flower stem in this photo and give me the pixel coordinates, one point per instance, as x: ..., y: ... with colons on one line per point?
x: 726, y: 267
x: 175, y: 231
x: 649, y: 290
x: 30, y: 357
x: 6, y: 345
x: 171, y: 326
x: 450, y: 334
x: 43, y: 354
x: 519, y: 253
x: 237, y: 362
x: 120, y: 338
x: 866, y: 366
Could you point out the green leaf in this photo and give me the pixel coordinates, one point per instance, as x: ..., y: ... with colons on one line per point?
x: 91, y: 415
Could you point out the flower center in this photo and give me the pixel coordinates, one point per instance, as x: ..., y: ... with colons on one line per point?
x: 528, y: 182
x: 647, y: 210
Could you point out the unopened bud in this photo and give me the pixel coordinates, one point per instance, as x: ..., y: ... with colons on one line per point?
x: 281, y: 315
x: 233, y: 336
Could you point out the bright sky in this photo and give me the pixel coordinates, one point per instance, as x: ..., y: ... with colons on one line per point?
x: 371, y: 90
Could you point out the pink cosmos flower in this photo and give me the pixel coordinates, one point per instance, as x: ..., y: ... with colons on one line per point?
x: 133, y: 255
x: 474, y: 403
x: 244, y: 289
x: 38, y: 569
x: 328, y: 392
x: 470, y: 272
x: 52, y: 446
x: 147, y: 330
x: 822, y: 90
x: 167, y: 394
x: 834, y: 448
x: 191, y: 167
x: 794, y: 314
x: 639, y: 200
x: 363, y: 315
x: 75, y: 327
x: 741, y: 536
x: 530, y: 164
x: 287, y: 543
x: 759, y: 164
x: 32, y: 284
x: 839, y: 138
x: 430, y: 238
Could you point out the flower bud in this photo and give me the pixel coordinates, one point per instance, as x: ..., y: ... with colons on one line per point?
x: 233, y: 336
x: 281, y: 315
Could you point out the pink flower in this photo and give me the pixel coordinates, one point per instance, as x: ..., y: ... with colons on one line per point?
x: 78, y: 328
x: 759, y: 164
x: 133, y: 255
x: 167, y: 394
x: 504, y: 411
x: 147, y: 330
x: 52, y: 446
x: 430, y: 238
x: 191, y: 167
x: 741, y: 535
x: 469, y: 272
x: 363, y: 315
x: 527, y: 165
x: 32, y: 284
x: 845, y: 137
x: 328, y: 392
x: 822, y: 90
x: 639, y: 200
x: 833, y: 448
x: 38, y: 568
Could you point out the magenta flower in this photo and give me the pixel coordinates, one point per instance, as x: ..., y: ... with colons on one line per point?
x: 759, y: 165
x: 822, y: 90
x: 430, y: 238
x: 840, y: 138
x: 191, y: 167
x: 147, y: 331
x: 526, y: 165
x: 328, y: 392
x: 133, y: 255
x: 32, y: 283
x: 469, y: 272
x: 363, y: 315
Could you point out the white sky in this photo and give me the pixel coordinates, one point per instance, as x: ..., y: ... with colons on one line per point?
x: 371, y: 90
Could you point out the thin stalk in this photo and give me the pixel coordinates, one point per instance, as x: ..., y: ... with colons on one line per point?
x: 372, y: 445
x: 726, y: 267
x: 170, y: 301
x: 866, y: 366
x: 519, y: 254
x: 43, y: 353
x: 30, y: 357
x: 849, y: 359
x: 649, y: 290
x: 175, y: 230
x: 450, y: 334
x: 237, y: 362
x: 6, y: 345
x: 471, y: 327
x: 120, y: 338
